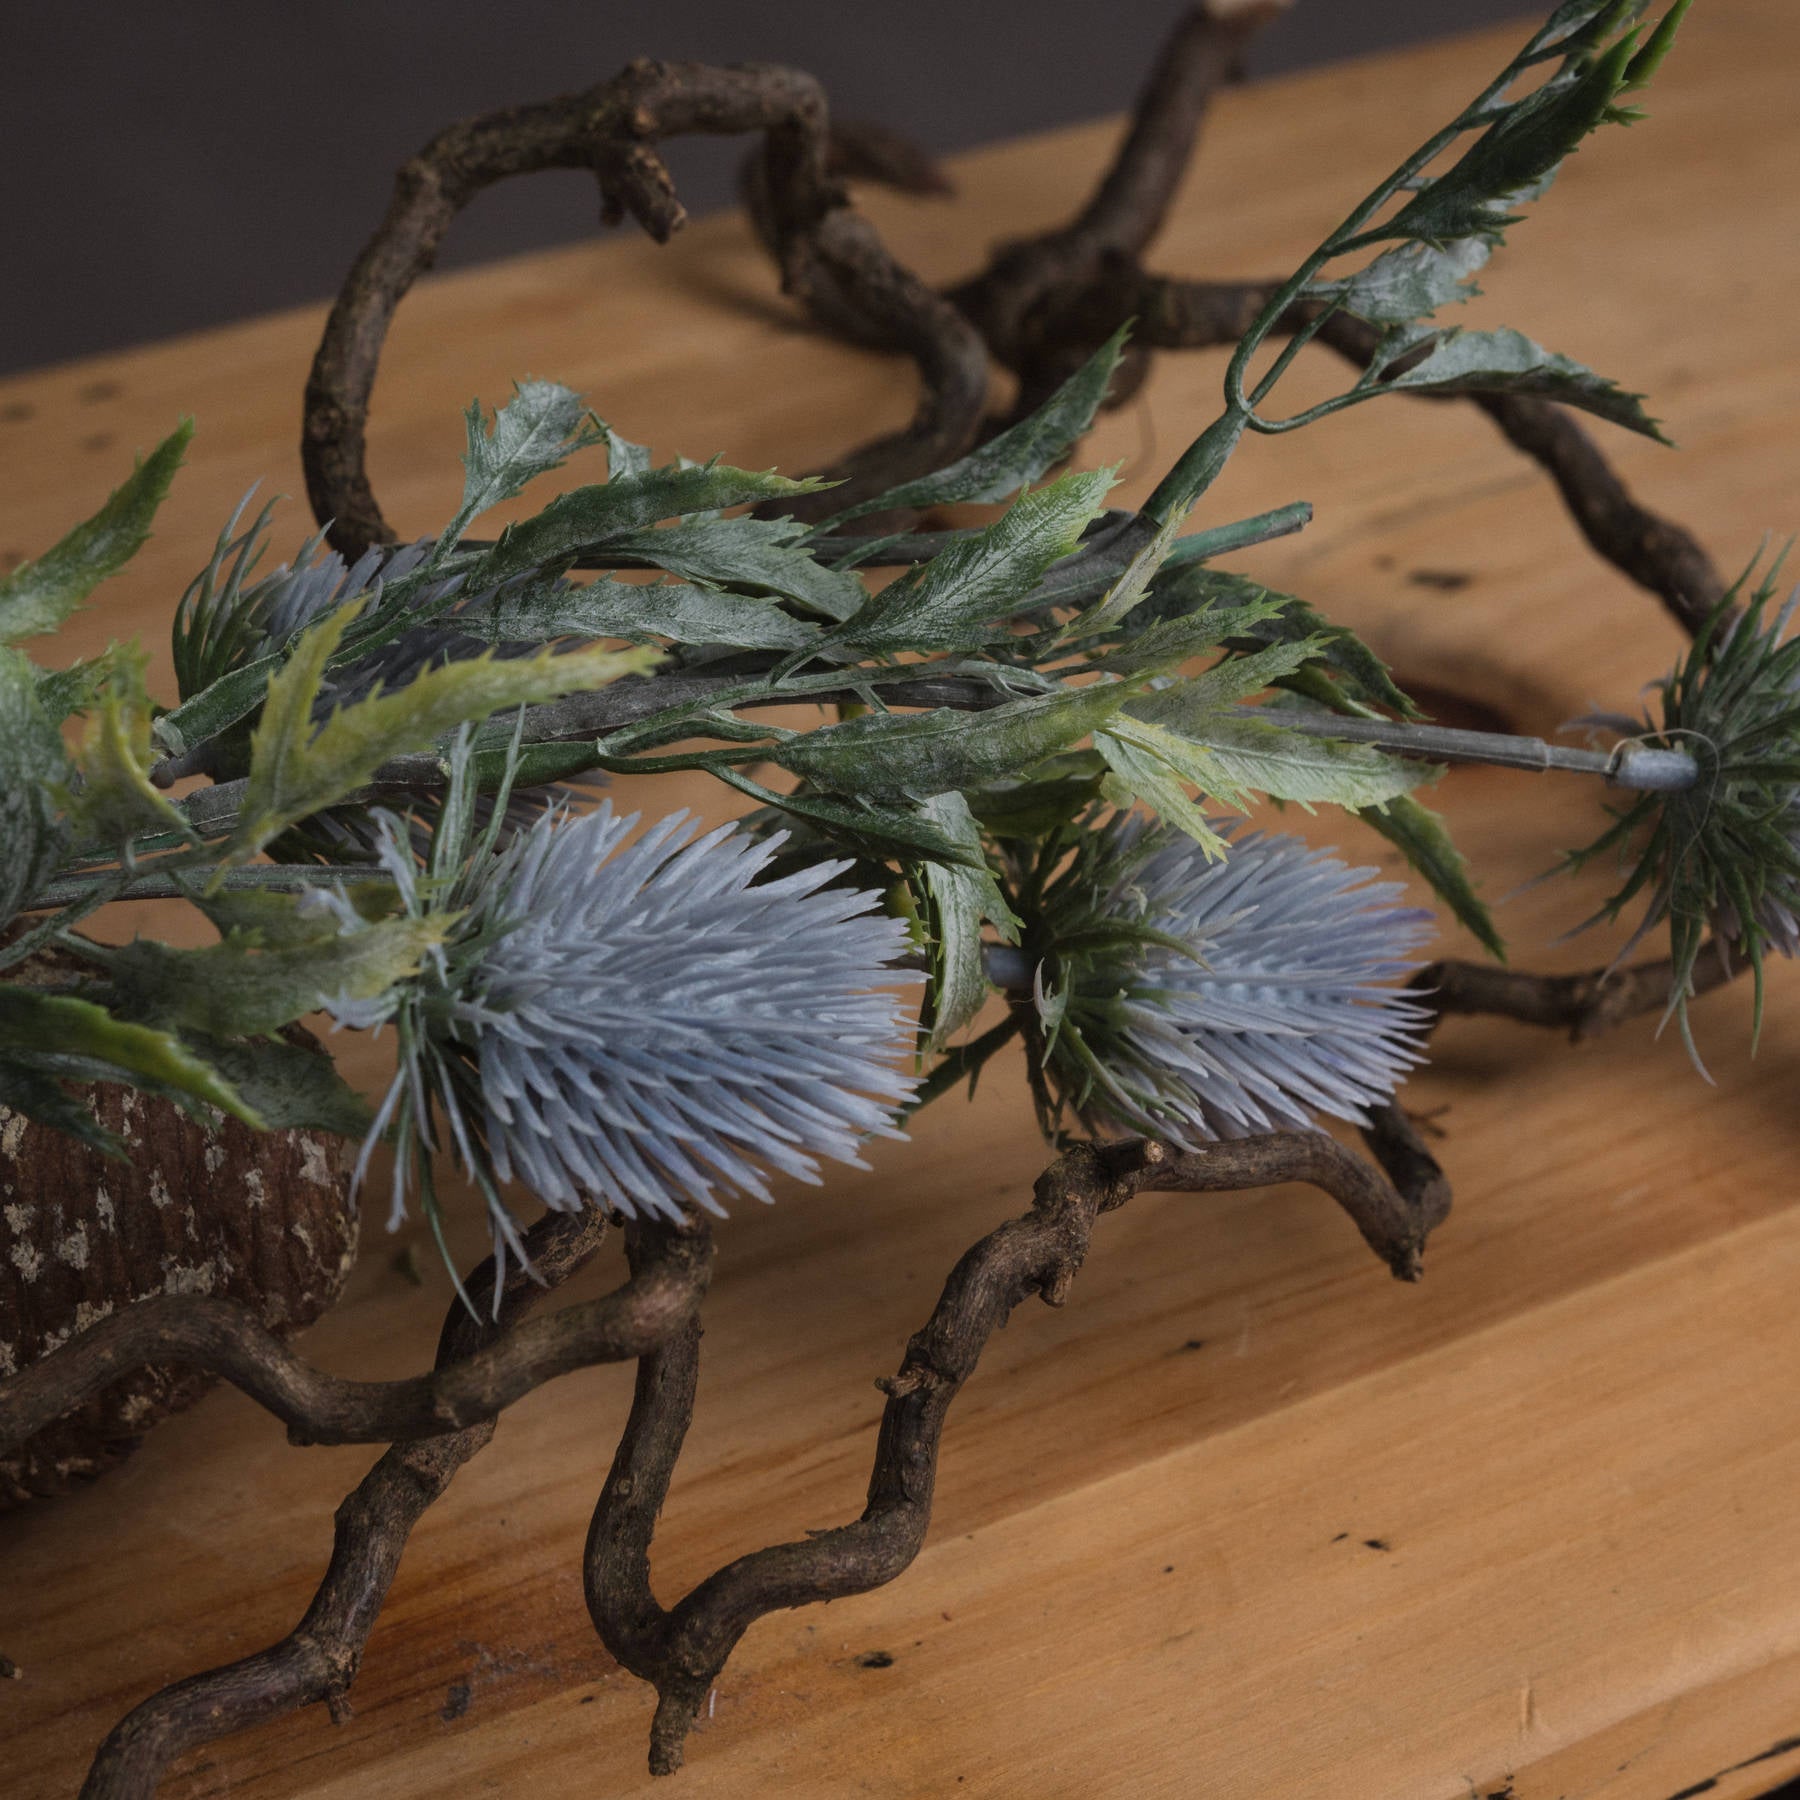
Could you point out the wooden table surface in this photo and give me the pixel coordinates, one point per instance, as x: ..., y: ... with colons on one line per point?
x: 1247, y: 1518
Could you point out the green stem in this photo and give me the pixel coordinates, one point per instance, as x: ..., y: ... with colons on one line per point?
x: 1647, y: 768
x: 90, y: 891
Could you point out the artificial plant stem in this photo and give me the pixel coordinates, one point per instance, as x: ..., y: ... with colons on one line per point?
x: 73, y: 889
x: 1643, y: 767
x: 1199, y: 465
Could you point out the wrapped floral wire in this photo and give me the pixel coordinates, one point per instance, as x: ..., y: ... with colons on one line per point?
x: 1722, y: 856
x: 1190, y: 998
x: 642, y: 1023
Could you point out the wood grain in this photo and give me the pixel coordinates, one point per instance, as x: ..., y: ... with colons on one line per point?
x: 1247, y: 1518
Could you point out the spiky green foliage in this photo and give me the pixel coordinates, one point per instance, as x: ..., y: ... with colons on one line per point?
x: 1722, y: 858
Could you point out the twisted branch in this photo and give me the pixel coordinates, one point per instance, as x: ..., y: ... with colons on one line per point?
x: 1039, y: 307
x: 319, y: 1658
x: 681, y: 1650
x: 826, y: 251
x: 1585, y: 1005
x: 227, y: 1339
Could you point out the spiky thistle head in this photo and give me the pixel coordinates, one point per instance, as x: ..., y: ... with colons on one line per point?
x: 1192, y: 998
x: 1723, y: 856
x: 638, y: 1022
x: 230, y: 617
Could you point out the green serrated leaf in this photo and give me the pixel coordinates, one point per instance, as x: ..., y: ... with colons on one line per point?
x: 959, y: 900
x: 950, y: 602
x: 897, y: 756
x: 542, y: 426
x: 244, y: 987
x: 78, y: 687
x: 1151, y: 766
x: 1016, y: 457
x: 37, y: 1025
x: 28, y: 1090
x: 1263, y: 615
x: 623, y: 457
x: 113, y: 801
x: 623, y: 609
x: 296, y: 769
x: 1423, y: 837
x: 1131, y: 584
x: 32, y: 766
x: 1238, y: 677
x: 289, y: 1087
x: 761, y: 555
x: 1409, y: 282
x: 590, y: 518
x: 1532, y: 136
x: 274, y: 919
x: 37, y: 596
x: 1164, y: 644
x: 1042, y: 800
x: 1508, y: 362
x: 883, y: 833
x: 1251, y: 754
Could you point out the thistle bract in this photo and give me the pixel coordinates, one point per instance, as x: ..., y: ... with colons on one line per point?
x: 650, y: 1027
x: 1724, y: 855
x: 1213, y: 999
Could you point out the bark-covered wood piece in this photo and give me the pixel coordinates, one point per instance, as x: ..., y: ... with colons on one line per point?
x: 262, y: 1217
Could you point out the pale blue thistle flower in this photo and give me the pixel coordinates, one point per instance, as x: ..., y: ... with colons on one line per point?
x: 635, y: 1024
x: 1205, y: 999
x: 654, y: 1028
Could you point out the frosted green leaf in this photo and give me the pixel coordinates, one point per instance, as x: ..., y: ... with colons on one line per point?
x: 1016, y: 457
x: 623, y: 609
x: 297, y: 768
x: 762, y: 555
x: 290, y: 1087
x: 32, y: 763
x: 538, y: 430
x: 588, y: 518
x: 1410, y: 281
x: 896, y: 756
x: 1255, y: 754
x: 960, y: 898
x: 114, y: 801
x: 240, y: 987
x: 1422, y: 836
x: 43, y: 1029
x: 37, y: 596
x: 1151, y: 766
x: 1508, y: 362
x: 950, y: 602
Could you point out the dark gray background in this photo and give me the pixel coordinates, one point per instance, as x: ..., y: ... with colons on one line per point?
x: 170, y: 164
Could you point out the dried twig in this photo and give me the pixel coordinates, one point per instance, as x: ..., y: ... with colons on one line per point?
x: 825, y: 248
x: 227, y: 1339
x: 1584, y: 1005
x: 1040, y: 306
x: 681, y: 1650
x: 319, y: 1659
x: 1016, y: 302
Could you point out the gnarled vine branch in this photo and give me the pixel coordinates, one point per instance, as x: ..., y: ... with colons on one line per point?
x: 1584, y: 1004
x: 227, y: 1339
x: 680, y: 1650
x: 824, y: 246
x: 319, y: 1658
x: 1039, y: 308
